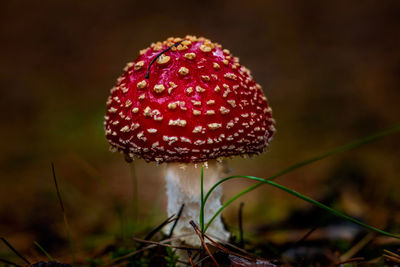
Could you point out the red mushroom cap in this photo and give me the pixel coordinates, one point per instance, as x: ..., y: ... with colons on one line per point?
x: 197, y: 104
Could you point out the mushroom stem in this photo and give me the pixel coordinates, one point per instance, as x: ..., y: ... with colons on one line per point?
x: 184, y: 187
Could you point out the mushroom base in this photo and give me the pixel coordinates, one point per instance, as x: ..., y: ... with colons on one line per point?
x: 184, y: 187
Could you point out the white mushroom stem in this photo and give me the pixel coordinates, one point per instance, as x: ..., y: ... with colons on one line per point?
x: 184, y: 187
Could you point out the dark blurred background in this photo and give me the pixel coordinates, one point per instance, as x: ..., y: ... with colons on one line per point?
x: 330, y: 70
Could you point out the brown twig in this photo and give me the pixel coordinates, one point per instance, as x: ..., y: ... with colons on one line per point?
x: 227, y: 251
x: 14, y: 250
x: 232, y: 246
x: 199, y: 233
x: 191, y: 259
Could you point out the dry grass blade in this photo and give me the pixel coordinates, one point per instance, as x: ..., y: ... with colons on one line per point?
x: 165, y: 245
x: 349, y: 260
x: 309, y: 232
x: 158, y: 228
x: 391, y: 256
x: 357, y: 247
x: 154, y: 231
x: 394, y: 259
x: 201, y: 260
x: 43, y: 250
x: 14, y: 250
x: 199, y: 233
x: 391, y: 253
x: 121, y: 264
x: 10, y: 263
x: 240, y: 218
x: 183, y: 263
x: 67, y: 229
x: 176, y: 221
x: 113, y: 262
x: 57, y: 189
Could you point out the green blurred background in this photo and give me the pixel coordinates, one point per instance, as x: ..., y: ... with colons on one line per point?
x: 330, y: 70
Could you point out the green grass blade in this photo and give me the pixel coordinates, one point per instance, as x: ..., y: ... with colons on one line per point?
x: 301, y: 196
x: 44, y: 251
x: 337, y: 150
x: 202, y: 200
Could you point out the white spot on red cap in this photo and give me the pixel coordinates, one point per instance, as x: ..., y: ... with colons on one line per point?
x: 205, y: 78
x: 141, y: 84
x: 125, y: 129
x: 190, y: 56
x: 128, y: 103
x: 139, y: 65
x: 224, y: 110
x: 162, y: 59
x: 147, y: 112
x: 197, y: 129
x: 196, y: 103
x: 205, y: 48
x: 172, y: 105
x: 152, y: 130
x: 185, y: 140
x: 159, y: 88
x: 177, y: 122
x: 232, y: 103
x: 230, y: 76
x: 196, y: 112
x: 112, y: 110
x: 200, y: 89
x: 183, y: 71
x: 214, y: 126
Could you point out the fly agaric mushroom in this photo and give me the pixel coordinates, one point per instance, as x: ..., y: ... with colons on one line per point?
x: 183, y: 102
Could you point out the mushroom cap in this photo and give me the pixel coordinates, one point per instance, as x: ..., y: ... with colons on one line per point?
x: 197, y: 104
